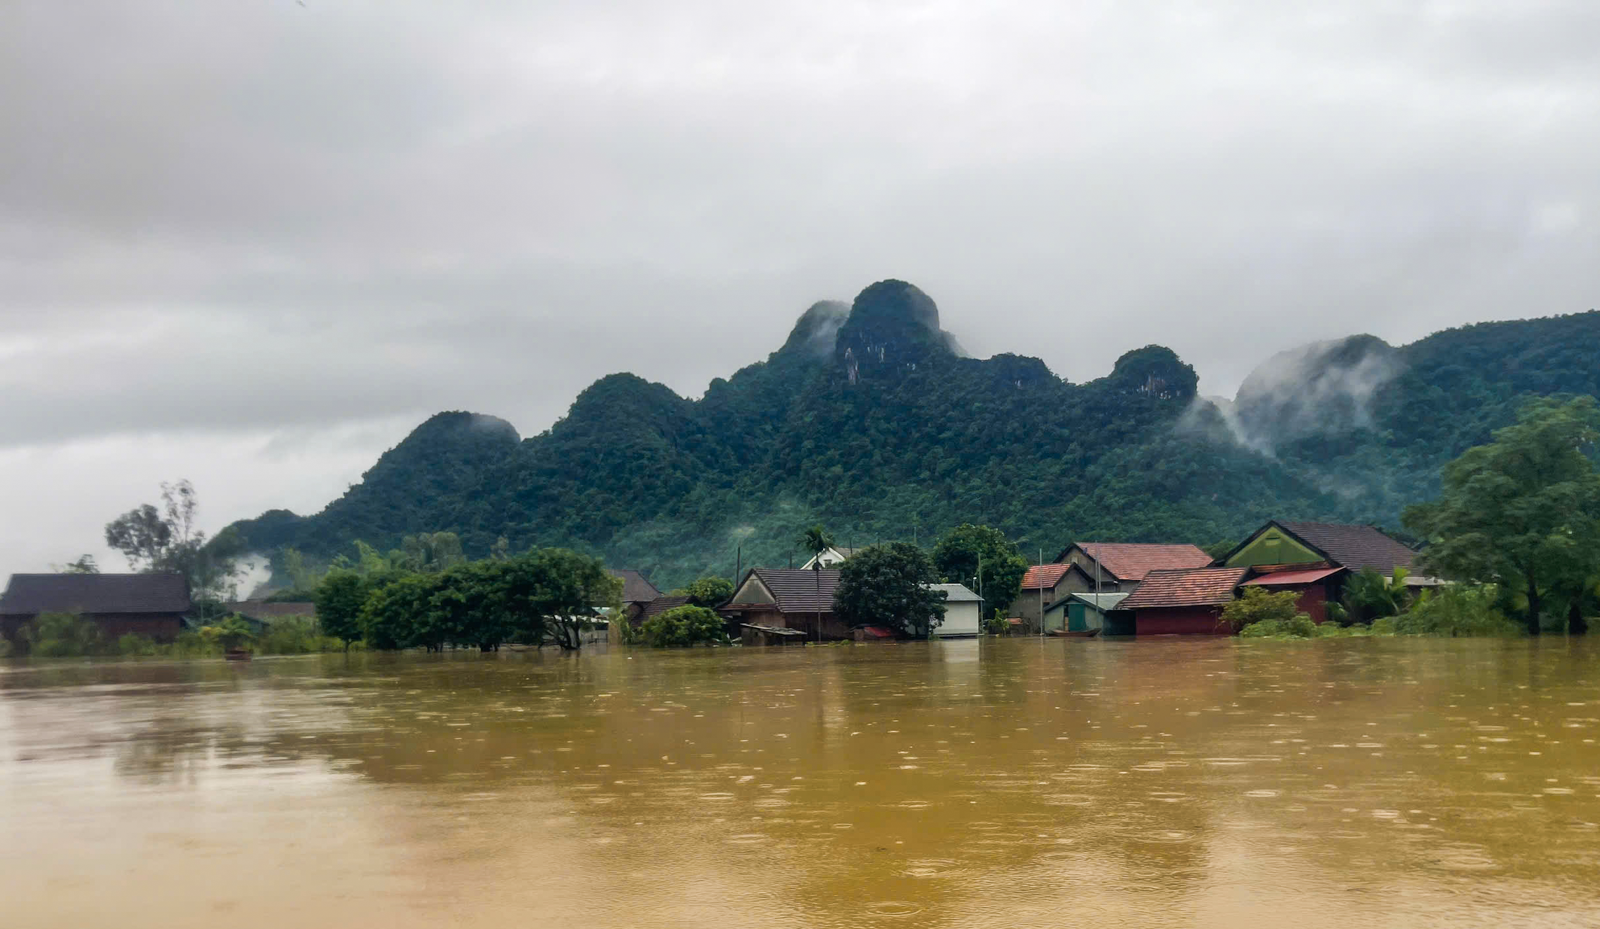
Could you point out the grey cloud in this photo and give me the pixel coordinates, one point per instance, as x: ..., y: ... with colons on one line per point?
x: 227, y: 218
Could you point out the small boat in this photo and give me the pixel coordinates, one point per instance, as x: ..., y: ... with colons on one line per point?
x: 1077, y: 634
x: 236, y: 654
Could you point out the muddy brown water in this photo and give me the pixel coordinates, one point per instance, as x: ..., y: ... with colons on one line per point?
x: 964, y: 784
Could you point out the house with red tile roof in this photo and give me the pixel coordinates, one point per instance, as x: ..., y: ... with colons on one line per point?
x: 1119, y: 567
x: 1184, y: 601
x: 1044, y: 586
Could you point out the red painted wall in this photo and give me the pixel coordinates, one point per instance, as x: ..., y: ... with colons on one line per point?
x: 1314, y: 601
x: 1180, y: 620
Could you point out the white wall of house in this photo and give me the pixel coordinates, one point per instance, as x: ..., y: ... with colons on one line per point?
x: 961, y: 611
x: 830, y: 558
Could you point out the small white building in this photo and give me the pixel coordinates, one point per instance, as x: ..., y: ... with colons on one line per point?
x: 962, y: 611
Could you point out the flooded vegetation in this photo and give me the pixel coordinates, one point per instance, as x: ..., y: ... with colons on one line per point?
x: 999, y: 783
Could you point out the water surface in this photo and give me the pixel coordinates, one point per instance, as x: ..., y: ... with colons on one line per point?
x: 966, y: 784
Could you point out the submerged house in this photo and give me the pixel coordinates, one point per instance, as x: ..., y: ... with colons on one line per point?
x: 1184, y: 601
x: 151, y: 605
x: 1119, y: 567
x: 788, y: 598
x: 1046, y: 585
x: 1081, y: 612
x: 1316, y: 559
x: 962, y: 612
x: 637, y: 592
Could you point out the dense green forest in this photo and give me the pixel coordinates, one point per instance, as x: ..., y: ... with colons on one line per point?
x: 870, y: 421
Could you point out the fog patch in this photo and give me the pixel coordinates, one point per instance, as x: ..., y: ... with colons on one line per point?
x: 1325, y: 388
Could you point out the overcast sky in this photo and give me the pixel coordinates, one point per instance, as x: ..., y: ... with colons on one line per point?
x: 254, y: 242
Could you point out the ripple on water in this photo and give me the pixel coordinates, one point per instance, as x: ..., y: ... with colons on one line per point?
x: 1068, y: 799
x: 913, y: 804
x: 1263, y: 794
x: 930, y: 868
x: 717, y: 795
x: 1462, y: 857
x: 1159, y: 836
x: 898, y: 909
x: 748, y: 838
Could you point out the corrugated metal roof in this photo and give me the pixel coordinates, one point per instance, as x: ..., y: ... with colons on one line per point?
x: 1131, y: 561
x: 1292, y: 578
x: 1192, y: 587
x: 29, y: 594
x: 957, y: 593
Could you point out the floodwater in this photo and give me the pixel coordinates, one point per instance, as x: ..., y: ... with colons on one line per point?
x: 1218, y: 783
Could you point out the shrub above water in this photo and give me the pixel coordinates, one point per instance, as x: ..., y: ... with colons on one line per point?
x: 683, y: 626
x: 1456, y: 611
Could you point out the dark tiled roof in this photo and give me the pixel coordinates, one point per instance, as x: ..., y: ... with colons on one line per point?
x: 800, y: 590
x: 1044, y: 575
x: 662, y: 604
x: 1354, y: 547
x: 1187, y: 587
x: 1131, y: 561
x: 29, y: 594
x: 635, y: 589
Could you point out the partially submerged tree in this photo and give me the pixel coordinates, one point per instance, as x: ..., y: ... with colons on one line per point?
x: 982, y: 555
x: 707, y: 591
x: 1523, y: 511
x: 684, y: 626
x: 890, y: 585
x: 170, y: 540
x: 1258, y: 613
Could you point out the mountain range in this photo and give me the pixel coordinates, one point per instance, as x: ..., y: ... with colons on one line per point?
x: 871, y: 420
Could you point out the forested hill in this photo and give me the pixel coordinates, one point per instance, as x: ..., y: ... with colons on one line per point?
x: 870, y: 420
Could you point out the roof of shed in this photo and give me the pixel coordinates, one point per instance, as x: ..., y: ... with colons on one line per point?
x: 1355, y: 547
x: 1131, y: 561
x: 29, y: 594
x: 957, y: 593
x: 1187, y: 587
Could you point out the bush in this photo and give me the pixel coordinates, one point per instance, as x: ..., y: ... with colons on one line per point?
x: 684, y: 626
x: 5, y: 647
x: 296, y: 635
x: 1258, y: 606
x: 1456, y: 611
x: 61, y: 635
x: 137, y: 646
x: 1382, y: 627
x: 1299, y: 626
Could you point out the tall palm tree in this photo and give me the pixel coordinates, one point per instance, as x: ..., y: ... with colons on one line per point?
x: 816, y: 540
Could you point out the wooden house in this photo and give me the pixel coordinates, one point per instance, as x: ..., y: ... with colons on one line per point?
x: 637, y: 593
x: 1080, y: 612
x: 788, y: 598
x: 151, y: 605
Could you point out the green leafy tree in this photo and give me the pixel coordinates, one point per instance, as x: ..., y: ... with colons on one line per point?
x: 1522, y: 511
x: 393, y: 614
x: 230, y: 632
x: 571, y: 588
x: 707, y: 591
x: 682, y: 627
x: 170, y: 540
x: 890, y: 585
x: 339, y: 599
x: 983, y: 553
x: 428, y: 552
x: 1458, y: 610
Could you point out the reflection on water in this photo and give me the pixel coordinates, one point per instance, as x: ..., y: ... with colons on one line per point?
x: 1014, y: 783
